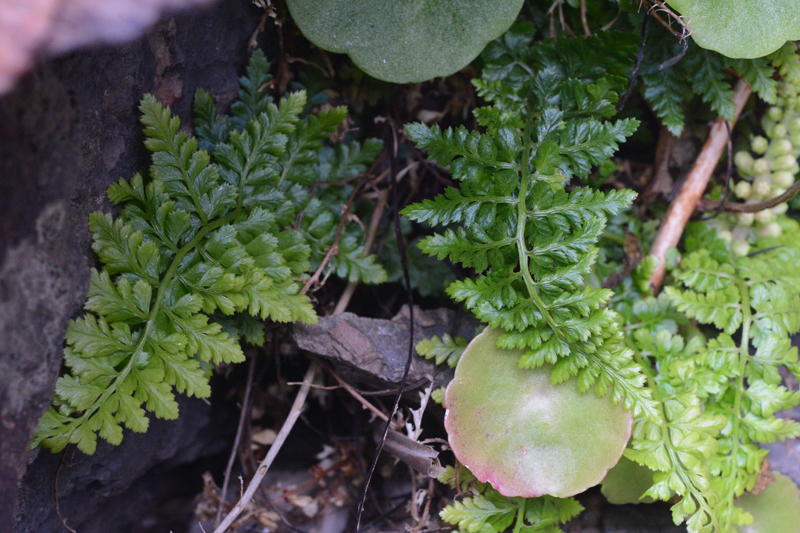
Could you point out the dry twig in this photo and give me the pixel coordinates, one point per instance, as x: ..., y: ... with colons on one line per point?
x: 374, y: 223
x: 294, y: 414
x: 733, y: 207
x: 237, y: 440
x: 692, y: 189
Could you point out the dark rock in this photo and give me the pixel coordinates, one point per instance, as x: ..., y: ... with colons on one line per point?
x: 376, y: 350
x: 57, y: 26
x: 68, y: 130
x: 124, y: 485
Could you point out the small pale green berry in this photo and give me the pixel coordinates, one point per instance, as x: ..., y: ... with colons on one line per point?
x: 762, y: 186
x: 742, y: 190
x: 765, y: 216
x: 744, y: 162
x: 759, y: 144
x: 740, y: 248
x: 745, y: 219
x: 779, y: 131
x: 775, y: 113
x: 784, y: 162
x: 780, y: 208
x: 783, y: 178
x: 771, y: 230
x: 760, y: 166
x: 781, y: 147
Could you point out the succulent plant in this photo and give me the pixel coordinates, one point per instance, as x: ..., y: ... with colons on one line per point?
x: 775, y: 510
x: 527, y: 437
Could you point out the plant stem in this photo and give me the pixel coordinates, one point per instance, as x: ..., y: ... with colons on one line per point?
x: 744, y: 356
x: 520, y: 515
x: 239, y: 431
x: 692, y: 189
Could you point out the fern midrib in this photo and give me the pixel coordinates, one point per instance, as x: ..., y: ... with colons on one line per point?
x: 176, y: 154
x: 522, y: 251
x: 154, y: 310
x: 664, y: 424
x: 744, y: 355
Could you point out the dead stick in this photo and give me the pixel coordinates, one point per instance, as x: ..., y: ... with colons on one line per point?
x: 294, y: 414
x: 364, y: 403
x: 586, y: 31
x: 732, y: 207
x: 692, y: 189
x: 237, y: 440
x: 347, y: 294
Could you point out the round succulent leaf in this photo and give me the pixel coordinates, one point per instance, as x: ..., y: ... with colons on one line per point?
x: 626, y: 482
x: 527, y: 437
x: 775, y: 510
x: 741, y: 28
x: 405, y: 41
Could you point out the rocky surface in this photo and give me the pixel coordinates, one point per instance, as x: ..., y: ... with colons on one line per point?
x: 368, y: 349
x: 47, y: 27
x: 68, y: 130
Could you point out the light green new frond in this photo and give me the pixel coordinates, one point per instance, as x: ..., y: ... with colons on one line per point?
x: 785, y: 59
x: 754, y: 301
x: 481, y: 514
x: 487, y: 511
x: 444, y: 350
x: 722, y: 308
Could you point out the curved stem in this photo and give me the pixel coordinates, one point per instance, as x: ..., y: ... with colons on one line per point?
x: 664, y: 424
x: 520, y: 516
x: 744, y: 356
x: 294, y: 414
x: 692, y: 189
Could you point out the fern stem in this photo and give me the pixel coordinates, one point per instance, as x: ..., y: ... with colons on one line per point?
x: 665, y: 428
x: 520, y: 516
x: 522, y: 250
x: 744, y: 356
x: 153, y: 315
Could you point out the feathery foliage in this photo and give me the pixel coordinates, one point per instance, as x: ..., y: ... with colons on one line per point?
x: 199, y: 254
x: 530, y: 241
x: 487, y: 511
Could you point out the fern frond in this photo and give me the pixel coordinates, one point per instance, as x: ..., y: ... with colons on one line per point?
x: 445, y: 350
x: 531, y: 243
x: 756, y: 298
x: 204, y: 239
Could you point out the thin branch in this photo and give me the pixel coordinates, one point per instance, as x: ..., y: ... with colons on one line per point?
x: 586, y: 31
x: 334, y: 248
x: 294, y: 414
x: 692, y: 189
x: 374, y: 223
x: 669, y: 62
x: 401, y: 248
x: 237, y: 440
x: 731, y: 207
x: 357, y: 396
x: 639, y: 59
